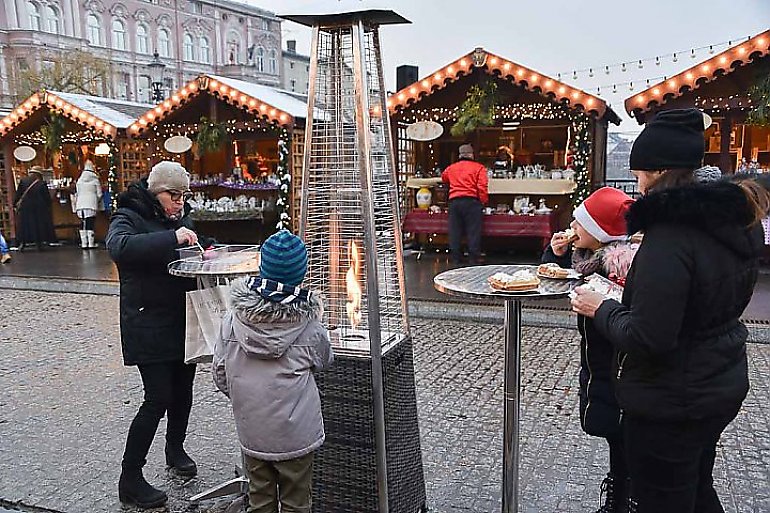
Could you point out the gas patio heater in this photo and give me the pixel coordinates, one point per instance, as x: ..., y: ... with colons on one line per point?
x: 371, y: 461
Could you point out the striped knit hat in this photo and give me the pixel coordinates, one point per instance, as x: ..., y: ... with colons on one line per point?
x: 283, y: 258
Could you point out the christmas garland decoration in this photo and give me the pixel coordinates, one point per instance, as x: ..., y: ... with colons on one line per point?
x: 579, y: 146
x: 477, y: 109
x: 112, y: 176
x: 284, y: 174
x: 211, y: 136
x: 759, y: 93
x: 52, y: 132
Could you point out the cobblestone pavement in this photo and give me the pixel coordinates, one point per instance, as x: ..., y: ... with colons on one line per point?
x: 67, y: 402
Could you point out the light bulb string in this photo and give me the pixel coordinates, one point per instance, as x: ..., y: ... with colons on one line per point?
x: 656, y: 59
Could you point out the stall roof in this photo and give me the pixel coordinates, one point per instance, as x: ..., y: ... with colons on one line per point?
x: 509, y: 70
x: 103, y: 115
x: 702, y: 73
x: 272, y: 104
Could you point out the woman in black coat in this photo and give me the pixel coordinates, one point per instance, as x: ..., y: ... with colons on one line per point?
x: 681, y: 369
x: 151, y: 222
x: 33, y: 207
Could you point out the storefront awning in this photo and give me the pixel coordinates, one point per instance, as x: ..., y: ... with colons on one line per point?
x: 103, y: 115
x: 695, y: 77
x: 527, y: 78
x: 271, y: 104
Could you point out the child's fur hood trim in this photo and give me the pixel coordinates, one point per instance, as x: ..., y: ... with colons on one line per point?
x: 253, y: 308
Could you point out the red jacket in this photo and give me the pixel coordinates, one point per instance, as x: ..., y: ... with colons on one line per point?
x: 467, y: 179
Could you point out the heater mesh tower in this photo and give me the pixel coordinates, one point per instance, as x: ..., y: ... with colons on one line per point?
x: 371, y: 461
x: 349, y: 216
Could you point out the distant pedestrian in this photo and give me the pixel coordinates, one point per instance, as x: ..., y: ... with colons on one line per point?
x: 151, y: 222
x: 468, y: 193
x: 88, y: 202
x: 681, y: 372
x: 599, y: 245
x: 5, y: 255
x: 34, y: 224
x: 272, y: 342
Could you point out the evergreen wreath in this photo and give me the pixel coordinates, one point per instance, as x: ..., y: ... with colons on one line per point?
x: 477, y: 110
x: 52, y: 131
x: 211, y: 136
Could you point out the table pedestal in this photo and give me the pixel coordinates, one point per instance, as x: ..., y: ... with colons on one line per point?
x: 511, y: 405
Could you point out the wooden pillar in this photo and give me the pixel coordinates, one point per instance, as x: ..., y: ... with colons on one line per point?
x: 10, y: 190
x: 725, y: 129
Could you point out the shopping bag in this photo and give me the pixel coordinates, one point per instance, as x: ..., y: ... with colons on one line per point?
x: 205, y: 309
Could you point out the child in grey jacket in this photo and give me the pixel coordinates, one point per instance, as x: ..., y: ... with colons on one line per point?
x: 271, y: 343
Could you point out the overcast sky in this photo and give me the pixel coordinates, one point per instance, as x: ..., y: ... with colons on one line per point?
x: 553, y: 36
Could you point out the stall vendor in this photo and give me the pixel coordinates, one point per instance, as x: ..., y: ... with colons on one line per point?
x: 504, y: 162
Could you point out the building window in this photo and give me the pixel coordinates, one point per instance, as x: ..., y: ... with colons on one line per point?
x: 168, y: 86
x: 291, y: 65
x: 293, y: 85
x: 119, y: 35
x: 233, y: 48
x: 205, y: 50
x: 94, y: 30
x: 34, y: 15
x: 143, y: 92
x: 273, y: 62
x: 124, y: 80
x: 260, y: 59
x: 52, y: 19
x: 196, y: 7
x: 189, y: 48
x: 164, y: 43
x: 265, y: 24
x: 142, y: 39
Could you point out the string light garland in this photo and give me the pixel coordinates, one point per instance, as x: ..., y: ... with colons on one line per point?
x: 579, y: 145
x: 283, y: 203
x: 655, y: 60
x: 515, y: 111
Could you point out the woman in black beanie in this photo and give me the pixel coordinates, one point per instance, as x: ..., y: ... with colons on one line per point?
x: 681, y: 369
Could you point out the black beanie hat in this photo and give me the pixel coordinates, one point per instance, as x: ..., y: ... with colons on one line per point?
x: 671, y: 140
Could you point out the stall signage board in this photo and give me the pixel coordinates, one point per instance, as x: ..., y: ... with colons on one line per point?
x: 178, y: 144
x: 424, y: 131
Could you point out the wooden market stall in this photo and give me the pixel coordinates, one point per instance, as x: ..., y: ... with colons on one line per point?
x: 719, y: 86
x: 242, y: 143
x: 60, y: 132
x: 544, y: 145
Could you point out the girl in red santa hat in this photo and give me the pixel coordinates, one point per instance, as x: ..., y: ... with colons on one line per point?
x: 597, y: 243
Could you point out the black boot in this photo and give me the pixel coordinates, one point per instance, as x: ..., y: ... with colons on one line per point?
x: 177, y: 458
x: 133, y: 489
x: 615, y: 495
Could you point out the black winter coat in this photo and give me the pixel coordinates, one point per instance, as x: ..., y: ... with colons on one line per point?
x: 682, y: 347
x: 34, y: 222
x: 599, y: 410
x: 142, y: 241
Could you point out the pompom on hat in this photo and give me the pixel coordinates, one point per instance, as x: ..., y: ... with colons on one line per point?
x: 673, y: 139
x: 283, y: 258
x: 603, y: 214
x: 168, y: 176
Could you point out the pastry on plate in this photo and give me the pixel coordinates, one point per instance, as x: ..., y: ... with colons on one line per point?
x: 519, y: 281
x: 552, y: 270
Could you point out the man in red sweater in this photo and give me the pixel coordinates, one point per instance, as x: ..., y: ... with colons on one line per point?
x: 468, y: 193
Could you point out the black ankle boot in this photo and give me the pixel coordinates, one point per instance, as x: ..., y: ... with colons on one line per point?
x: 133, y: 489
x: 177, y: 458
x: 615, y: 495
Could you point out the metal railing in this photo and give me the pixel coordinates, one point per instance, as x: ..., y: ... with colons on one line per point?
x: 626, y: 185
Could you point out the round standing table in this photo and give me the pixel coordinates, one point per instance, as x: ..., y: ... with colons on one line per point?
x: 471, y: 282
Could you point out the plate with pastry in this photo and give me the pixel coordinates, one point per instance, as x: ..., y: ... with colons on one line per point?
x: 520, y: 281
x: 556, y: 272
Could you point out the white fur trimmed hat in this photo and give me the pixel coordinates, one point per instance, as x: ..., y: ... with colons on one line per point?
x: 168, y: 176
x: 603, y: 214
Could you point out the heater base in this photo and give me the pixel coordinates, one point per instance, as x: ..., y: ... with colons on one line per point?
x: 345, y: 470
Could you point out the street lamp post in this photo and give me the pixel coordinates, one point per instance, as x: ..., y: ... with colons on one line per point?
x: 156, y: 75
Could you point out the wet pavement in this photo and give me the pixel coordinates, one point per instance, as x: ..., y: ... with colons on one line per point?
x: 67, y: 403
x: 94, y: 266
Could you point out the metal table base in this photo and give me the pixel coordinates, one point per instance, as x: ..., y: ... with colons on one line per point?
x: 471, y: 282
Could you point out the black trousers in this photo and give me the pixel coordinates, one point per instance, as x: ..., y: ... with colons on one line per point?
x: 671, y: 463
x: 168, y: 391
x: 88, y: 223
x: 465, y: 217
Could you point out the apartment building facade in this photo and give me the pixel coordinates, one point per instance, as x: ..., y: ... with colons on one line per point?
x: 223, y: 37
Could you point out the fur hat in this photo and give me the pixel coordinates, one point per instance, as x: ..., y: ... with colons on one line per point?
x: 603, y: 214
x: 283, y: 258
x: 671, y: 140
x: 168, y: 176
x: 466, y: 150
